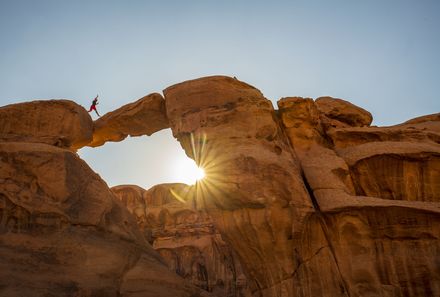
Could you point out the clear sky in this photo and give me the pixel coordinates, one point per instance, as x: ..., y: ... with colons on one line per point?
x: 381, y: 55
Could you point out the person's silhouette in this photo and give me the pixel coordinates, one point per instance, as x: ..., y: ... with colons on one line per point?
x: 93, y: 106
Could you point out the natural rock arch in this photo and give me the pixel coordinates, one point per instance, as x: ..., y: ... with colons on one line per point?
x: 281, y: 185
x: 143, y: 117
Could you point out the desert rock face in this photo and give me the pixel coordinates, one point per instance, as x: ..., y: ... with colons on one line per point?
x: 309, y: 200
x: 375, y: 190
x: 132, y: 197
x: 369, y: 191
x: 61, y: 123
x: 253, y: 188
x: 185, y: 238
x: 143, y: 117
x: 63, y: 232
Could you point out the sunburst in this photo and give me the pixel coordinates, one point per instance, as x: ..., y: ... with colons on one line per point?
x: 208, y: 175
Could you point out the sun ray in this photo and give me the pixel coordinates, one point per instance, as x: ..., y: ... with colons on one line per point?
x: 209, y: 164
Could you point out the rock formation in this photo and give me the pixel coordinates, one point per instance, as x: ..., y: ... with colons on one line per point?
x: 253, y: 188
x: 61, y: 123
x: 381, y: 245
x: 143, y: 117
x: 373, y: 229
x: 307, y: 200
x: 63, y: 232
x: 336, y: 112
x: 185, y: 238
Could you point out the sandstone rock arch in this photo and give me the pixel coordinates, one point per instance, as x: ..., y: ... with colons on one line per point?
x: 143, y: 117
x: 289, y: 190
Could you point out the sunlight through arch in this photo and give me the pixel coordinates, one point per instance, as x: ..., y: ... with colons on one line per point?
x: 187, y: 171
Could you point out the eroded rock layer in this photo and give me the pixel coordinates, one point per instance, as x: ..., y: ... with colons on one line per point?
x: 185, y: 238
x: 376, y: 230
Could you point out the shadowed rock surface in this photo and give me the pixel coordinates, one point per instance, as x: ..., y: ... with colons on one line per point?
x: 185, y: 238
x: 63, y: 232
x: 61, y: 123
x: 143, y: 117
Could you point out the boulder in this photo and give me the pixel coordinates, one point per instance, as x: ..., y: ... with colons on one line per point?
x: 339, y: 113
x: 61, y: 123
x: 143, y: 117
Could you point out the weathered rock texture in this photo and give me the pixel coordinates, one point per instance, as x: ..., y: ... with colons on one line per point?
x: 374, y: 226
x: 63, y: 232
x: 143, y: 117
x: 253, y: 188
x: 62, y: 123
x: 185, y: 238
x: 339, y: 113
x: 306, y: 201
x: 376, y: 192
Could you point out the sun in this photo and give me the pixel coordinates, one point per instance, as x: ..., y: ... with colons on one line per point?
x: 188, y: 172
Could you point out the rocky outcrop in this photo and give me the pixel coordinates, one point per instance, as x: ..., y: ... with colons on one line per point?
x: 375, y: 192
x: 309, y: 200
x: 336, y: 112
x: 374, y: 196
x: 185, y: 238
x: 143, y: 117
x: 302, y: 122
x: 395, y: 170
x: 63, y: 232
x: 253, y: 188
x: 61, y: 123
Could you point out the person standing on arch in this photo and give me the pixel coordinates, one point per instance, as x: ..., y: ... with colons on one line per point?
x: 93, y: 106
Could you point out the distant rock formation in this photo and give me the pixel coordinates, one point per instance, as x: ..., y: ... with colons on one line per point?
x: 307, y: 200
x: 185, y: 238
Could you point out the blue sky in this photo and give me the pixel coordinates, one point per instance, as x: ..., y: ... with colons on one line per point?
x: 380, y: 55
